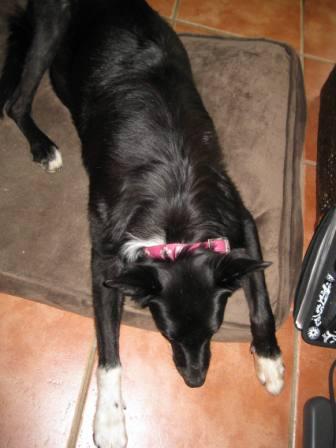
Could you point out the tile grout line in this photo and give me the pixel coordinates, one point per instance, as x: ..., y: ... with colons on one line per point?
x: 175, y: 11
x: 83, y: 391
x: 295, y: 390
x: 208, y: 28
x: 319, y: 59
x: 296, y: 355
x: 309, y: 162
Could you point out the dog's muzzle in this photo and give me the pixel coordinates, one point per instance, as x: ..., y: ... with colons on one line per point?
x: 192, y: 363
x: 193, y: 377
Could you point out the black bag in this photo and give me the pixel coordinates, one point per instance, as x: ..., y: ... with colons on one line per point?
x: 315, y: 297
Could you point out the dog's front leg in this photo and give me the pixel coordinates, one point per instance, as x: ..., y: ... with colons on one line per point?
x: 267, y: 354
x: 109, y: 422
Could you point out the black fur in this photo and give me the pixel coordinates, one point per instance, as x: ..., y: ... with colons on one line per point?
x: 155, y: 169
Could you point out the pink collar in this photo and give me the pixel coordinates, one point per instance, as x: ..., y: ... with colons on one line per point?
x: 172, y: 250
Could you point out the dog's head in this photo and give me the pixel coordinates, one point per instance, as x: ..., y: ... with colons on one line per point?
x: 187, y: 299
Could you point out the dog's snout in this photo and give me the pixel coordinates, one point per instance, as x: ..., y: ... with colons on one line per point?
x: 193, y: 376
x: 192, y: 364
x: 195, y: 379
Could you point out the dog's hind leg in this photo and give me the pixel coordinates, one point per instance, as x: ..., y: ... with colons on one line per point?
x: 43, y: 24
x: 267, y: 355
x: 109, y: 422
x: 18, y: 42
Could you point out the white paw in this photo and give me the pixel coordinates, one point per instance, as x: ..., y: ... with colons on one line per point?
x: 110, y: 428
x: 55, y: 164
x: 270, y: 372
x: 109, y: 423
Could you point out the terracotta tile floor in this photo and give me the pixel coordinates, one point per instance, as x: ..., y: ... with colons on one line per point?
x: 47, y: 358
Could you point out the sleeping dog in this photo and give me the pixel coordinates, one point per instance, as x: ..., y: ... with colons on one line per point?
x: 168, y: 227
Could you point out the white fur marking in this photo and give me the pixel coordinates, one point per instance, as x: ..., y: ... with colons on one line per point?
x: 131, y: 249
x: 270, y: 373
x: 55, y: 163
x: 109, y: 422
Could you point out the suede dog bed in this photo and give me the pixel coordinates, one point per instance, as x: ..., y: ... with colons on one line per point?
x: 253, y: 89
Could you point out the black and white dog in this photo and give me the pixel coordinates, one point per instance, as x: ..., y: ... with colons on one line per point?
x: 168, y: 227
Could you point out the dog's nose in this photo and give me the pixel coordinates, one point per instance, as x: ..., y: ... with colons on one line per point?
x: 194, y: 379
x: 195, y: 382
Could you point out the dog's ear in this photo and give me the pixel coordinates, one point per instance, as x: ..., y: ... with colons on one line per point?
x: 231, y: 268
x: 140, y: 282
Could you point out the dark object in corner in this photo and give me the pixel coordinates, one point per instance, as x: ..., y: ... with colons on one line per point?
x: 315, y: 297
x: 319, y: 418
x: 317, y: 423
x: 326, y: 146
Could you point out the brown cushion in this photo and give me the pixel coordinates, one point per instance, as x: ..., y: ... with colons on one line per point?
x: 253, y: 89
